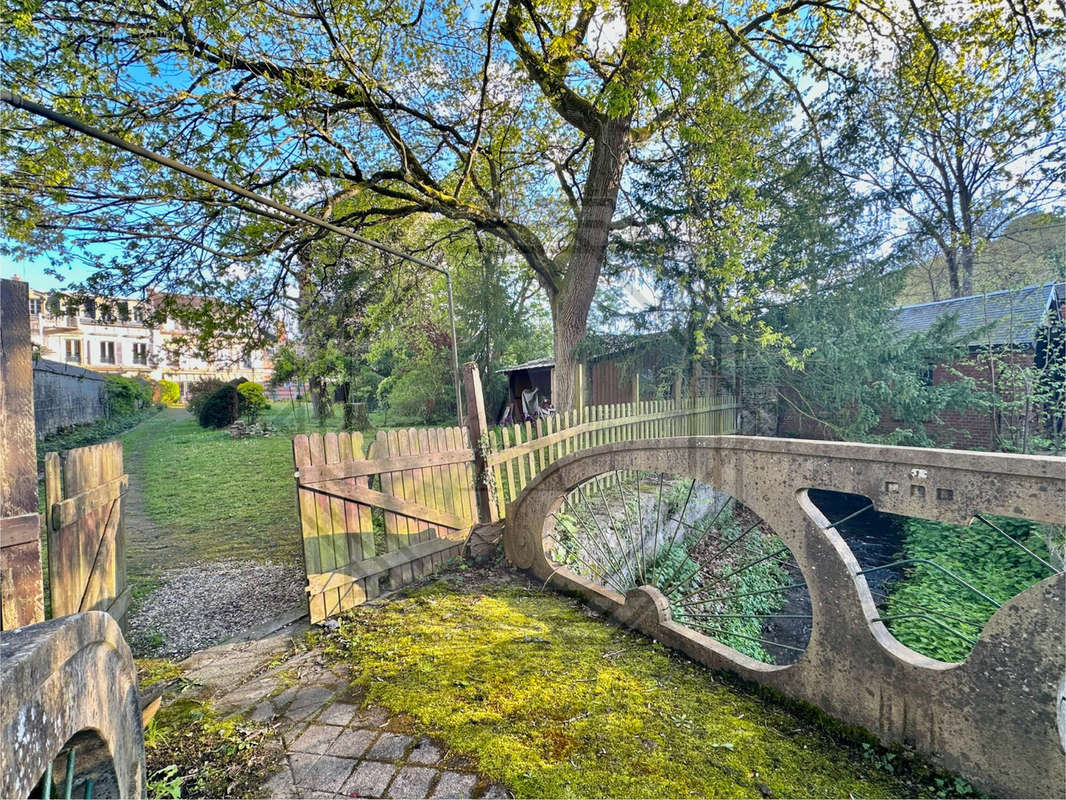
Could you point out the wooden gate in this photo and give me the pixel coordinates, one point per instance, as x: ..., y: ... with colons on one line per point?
x: 86, y: 531
x: 395, y: 514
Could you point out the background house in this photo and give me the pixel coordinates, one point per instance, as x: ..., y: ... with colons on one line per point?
x: 111, y: 336
x: 997, y: 334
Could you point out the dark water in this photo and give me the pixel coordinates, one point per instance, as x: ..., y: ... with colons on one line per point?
x: 874, y: 539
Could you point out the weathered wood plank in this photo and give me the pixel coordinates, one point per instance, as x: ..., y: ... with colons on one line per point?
x: 69, y: 511
x: 397, y: 505
x: 354, y: 468
x: 23, y: 529
x: 306, y: 505
x: 335, y: 579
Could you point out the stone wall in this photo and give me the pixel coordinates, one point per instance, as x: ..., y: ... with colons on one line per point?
x: 66, y: 395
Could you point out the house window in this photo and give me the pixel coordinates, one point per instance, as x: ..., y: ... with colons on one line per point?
x: 140, y: 353
x: 90, y: 308
x: 173, y: 358
x: 35, y: 306
x: 138, y: 314
x: 107, y: 352
x: 74, y: 351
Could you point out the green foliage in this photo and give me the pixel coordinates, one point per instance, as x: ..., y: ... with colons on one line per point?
x: 978, y: 555
x: 252, y: 400
x: 169, y: 392
x: 220, y: 408
x: 545, y: 697
x: 127, y: 396
x: 102, y: 430
x: 199, y: 392
x: 191, y: 751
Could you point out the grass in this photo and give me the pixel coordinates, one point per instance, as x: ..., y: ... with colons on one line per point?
x: 213, y: 497
x: 548, y: 699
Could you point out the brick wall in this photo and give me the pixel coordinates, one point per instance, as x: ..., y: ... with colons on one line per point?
x: 976, y: 428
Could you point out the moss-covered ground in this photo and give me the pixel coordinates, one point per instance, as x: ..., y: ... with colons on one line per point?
x: 551, y: 700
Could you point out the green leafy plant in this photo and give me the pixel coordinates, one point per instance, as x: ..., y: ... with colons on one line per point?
x: 199, y: 392
x: 169, y: 392
x: 220, y: 408
x: 252, y: 399
x: 127, y: 396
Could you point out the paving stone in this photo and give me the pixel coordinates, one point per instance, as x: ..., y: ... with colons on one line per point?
x: 281, y: 785
x: 292, y: 734
x: 352, y: 743
x: 247, y: 695
x: 373, y: 717
x: 338, y: 714
x: 316, y: 739
x: 425, y: 752
x: 455, y: 785
x: 411, y: 782
x: 311, y: 698
x: 369, y: 779
x: 321, y: 773
x: 496, y: 791
x: 264, y: 712
x: 390, y: 746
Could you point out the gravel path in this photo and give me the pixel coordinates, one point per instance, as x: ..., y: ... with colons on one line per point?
x: 201, y: 605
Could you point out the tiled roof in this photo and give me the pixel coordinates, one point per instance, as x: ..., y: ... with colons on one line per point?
x: 536, y: 363
x: 1010, y: 316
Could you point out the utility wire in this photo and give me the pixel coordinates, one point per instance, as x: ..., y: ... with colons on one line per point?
x: 26, y: 104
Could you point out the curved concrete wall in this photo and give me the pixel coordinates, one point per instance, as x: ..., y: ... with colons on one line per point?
x: 991, y: 718
x: 62, y: 677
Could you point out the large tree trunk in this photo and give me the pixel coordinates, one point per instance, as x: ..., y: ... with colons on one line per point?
x: 570, y: 305
x: 965, y: 269
x: 951, y: 259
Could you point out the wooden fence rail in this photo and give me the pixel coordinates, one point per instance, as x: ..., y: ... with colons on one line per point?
x: 86, y: 531
x: 516, y: 453
x: 395, y: 514
x: 408, y: 505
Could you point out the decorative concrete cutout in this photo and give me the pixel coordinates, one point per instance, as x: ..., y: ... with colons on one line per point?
x: 721, y: 569
x: 935, y: 585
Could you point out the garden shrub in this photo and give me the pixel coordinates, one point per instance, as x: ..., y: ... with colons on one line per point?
x: 169, y: 392
x: 199, y: 392
x: 127, y: 396
x: 252, y: 399
x: 220, y: 408
x: 978, y: 555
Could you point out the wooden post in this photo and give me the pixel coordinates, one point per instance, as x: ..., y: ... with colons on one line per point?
x: 579, y: 391
x: 677, y: 391
x: 21, y: 579
x: 479, y: 428
x: 635, y: 388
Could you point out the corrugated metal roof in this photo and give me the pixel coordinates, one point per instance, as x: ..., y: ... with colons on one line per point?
x: 1010, y: 316
x: 536, y: 363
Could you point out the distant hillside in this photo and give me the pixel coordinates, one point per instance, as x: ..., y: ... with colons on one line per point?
x: 1031, y: 250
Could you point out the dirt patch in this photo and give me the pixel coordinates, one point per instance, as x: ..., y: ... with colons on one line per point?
x: 201, y: 605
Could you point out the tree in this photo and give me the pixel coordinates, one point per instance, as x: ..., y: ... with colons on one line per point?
x: 519, y: 121
x: 963, y: 134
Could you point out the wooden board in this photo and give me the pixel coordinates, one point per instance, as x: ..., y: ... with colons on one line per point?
x: 424, y: 504
x: 86, y: 530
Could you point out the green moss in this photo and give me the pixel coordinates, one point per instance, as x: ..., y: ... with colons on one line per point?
x: 553, y: 702
x: 190, y: 750
x: 151, y: 671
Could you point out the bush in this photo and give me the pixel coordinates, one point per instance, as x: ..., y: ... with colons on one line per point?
x: 169, y: 392
x: 252, y: 400
x: 220, y: 408
x: 199, y: 392
x: 127, y: 396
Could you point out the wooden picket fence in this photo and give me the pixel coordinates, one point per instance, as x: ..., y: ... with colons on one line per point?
x: 86, y: 531
x: 516, y: 453
x: 395, y: 514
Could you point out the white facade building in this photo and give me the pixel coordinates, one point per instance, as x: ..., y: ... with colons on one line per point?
x: 109, y: 335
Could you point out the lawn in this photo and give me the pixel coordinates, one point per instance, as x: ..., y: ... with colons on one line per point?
x: 547, y: 698
x: 210, y: 496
